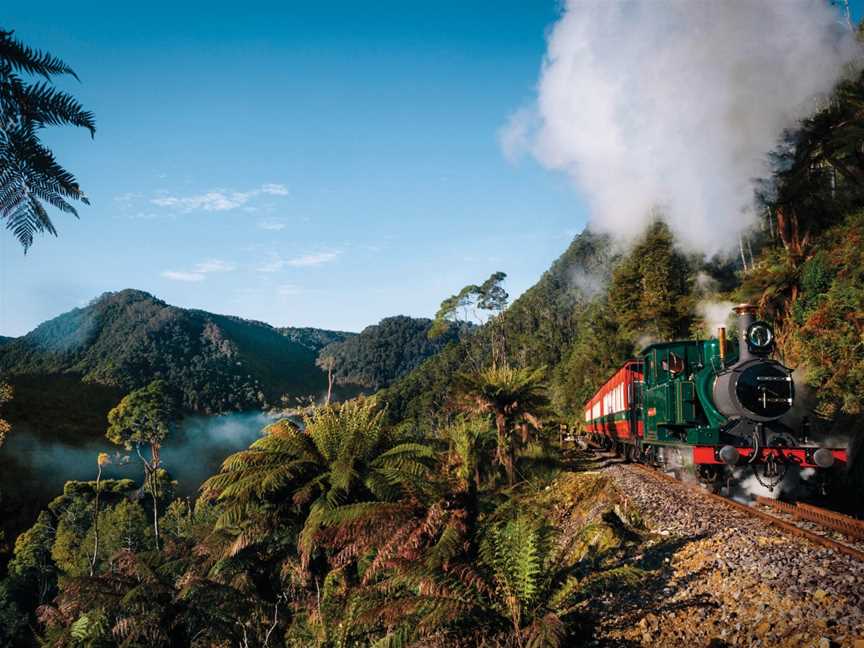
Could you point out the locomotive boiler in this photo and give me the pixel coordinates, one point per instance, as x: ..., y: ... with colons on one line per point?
x: 716, y: 403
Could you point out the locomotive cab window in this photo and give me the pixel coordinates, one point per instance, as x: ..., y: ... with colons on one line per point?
x: 670, y: 365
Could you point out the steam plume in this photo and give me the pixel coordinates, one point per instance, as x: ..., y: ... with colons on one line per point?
x: 673, y: 105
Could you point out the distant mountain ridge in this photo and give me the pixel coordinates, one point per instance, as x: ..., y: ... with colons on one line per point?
x: 5, y: 340
x: 216, y: 363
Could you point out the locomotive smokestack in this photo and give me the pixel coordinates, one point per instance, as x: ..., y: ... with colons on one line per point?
x: 746, y: 316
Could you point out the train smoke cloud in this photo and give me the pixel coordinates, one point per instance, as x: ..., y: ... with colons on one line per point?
x: 673, y: 106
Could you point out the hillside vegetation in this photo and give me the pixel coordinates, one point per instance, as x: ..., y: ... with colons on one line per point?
x: 383, y: 352
x: 313, y: 338
x: 214, y: 363
x: 589, y: 311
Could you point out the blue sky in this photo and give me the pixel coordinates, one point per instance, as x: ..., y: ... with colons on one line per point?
x: 301, y: 163
x: 323, y: 164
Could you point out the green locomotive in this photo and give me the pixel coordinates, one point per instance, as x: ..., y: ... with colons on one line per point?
x: 709, y: 402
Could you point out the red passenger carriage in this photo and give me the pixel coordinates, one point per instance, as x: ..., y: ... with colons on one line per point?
x: 612, y: 411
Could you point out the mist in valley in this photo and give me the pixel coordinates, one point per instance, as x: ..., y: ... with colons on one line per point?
x: 34, y: 469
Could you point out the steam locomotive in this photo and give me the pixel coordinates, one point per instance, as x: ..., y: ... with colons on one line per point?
x: 717, y: 405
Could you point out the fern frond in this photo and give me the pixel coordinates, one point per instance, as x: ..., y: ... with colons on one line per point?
x: 26, y: 59
x: 48, y: 106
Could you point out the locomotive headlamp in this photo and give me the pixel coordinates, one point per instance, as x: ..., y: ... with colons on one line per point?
x: 760, y: 337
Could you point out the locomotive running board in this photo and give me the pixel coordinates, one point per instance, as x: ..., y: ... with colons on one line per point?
x: 803, y: 457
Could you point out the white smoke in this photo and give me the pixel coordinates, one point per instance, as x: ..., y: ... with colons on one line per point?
x: 714, y: 314
x: 795, y: 483
x: 673, y: 105
x: 589, y: 284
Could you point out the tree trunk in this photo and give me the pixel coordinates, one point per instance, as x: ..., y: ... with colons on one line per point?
x: 96, y: 522
x: 511, y: 458
x: 329, y: 382
x: 155, y: 509
x: 150, y: 479
x: 524, y: 429
x: 503, y: 452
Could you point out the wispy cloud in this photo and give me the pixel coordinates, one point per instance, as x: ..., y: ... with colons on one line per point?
x: 179, y: 275
x: 148, y: 215
x: 214, y: 265
x: 273, y: 264
x: 200, y: 271
x: 128, y: 197
x: 317, y: 258
x: 286, y: 290
x: 274, y: 189
x: 272, y: 225
x: 515, y: 137
x: 218, y: 200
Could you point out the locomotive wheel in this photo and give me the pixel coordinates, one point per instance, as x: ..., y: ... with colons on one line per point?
x: 711, y: 477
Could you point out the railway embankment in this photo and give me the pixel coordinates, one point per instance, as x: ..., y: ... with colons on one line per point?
x: 716, y: 576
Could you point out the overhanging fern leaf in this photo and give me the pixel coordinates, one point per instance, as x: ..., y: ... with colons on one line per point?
x: 29, y: 173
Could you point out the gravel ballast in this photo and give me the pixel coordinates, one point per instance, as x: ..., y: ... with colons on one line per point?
x: 723, y: 578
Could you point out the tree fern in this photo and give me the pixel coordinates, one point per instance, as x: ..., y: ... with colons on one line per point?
x: 511, y: 396
x: 29, y: 173
x: 343, y: 455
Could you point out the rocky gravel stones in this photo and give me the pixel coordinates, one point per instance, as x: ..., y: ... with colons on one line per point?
x: 722, y: 578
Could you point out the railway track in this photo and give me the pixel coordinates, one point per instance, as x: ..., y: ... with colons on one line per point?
x: 812, y: 523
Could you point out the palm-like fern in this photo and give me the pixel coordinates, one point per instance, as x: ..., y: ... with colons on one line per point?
x: 147, y: 599
x: 343, y: 455
x: 514, y: 397
x: 30, y: 177
x: 521, y: 591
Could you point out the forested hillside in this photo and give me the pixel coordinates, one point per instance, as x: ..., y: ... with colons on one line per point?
x: 538, y: 329
x: 383, y: 352
x: 5, y: 340
x: 313, y: 338
x: 214, y: 363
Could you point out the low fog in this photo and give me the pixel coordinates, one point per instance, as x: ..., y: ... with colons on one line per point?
x: 193, y: 453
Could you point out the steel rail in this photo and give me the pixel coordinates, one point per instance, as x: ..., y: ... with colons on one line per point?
x: 829, y: 519
x: 773, y: 520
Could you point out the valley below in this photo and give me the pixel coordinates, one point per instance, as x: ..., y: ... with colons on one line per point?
x: 35, y: 465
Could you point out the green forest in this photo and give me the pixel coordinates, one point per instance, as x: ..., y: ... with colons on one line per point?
x: 427, y: 512
x: 386, y: 351
x: 215, y: 363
